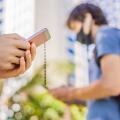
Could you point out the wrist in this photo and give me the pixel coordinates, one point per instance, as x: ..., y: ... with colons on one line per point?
x: 79, y: 94
x: 70, y: 93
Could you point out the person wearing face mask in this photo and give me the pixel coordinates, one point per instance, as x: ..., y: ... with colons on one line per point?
x: 102, y: 95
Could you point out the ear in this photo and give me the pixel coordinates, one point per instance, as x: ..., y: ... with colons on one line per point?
x: 87, y: 23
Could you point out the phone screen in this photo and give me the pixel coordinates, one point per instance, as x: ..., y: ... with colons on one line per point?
x: 40, y: 37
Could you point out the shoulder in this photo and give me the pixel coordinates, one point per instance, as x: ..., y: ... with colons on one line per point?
x: 107, y: 34
x: 106, y: 29
x: 107, y: 41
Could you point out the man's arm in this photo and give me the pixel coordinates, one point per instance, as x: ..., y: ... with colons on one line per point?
x: 108, y: 85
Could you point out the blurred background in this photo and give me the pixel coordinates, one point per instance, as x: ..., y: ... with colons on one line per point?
x: 22, y: 98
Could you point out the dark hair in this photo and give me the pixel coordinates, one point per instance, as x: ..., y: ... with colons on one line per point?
x: 79, y: 12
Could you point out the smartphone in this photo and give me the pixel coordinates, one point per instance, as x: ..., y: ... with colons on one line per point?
x: 40, y: 37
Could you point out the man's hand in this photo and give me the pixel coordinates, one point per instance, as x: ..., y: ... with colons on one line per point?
x: 25, y: 63
x: 12, y: 47
x: 62, y: 93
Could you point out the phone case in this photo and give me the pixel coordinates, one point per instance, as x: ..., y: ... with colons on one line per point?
x: 40, y: 37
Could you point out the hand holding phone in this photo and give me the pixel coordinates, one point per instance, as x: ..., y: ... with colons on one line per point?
x: 40, y: 37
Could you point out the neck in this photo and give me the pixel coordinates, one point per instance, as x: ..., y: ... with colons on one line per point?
x: 94, y: 31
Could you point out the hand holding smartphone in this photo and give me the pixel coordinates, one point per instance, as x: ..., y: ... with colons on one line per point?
x: 40, y: 37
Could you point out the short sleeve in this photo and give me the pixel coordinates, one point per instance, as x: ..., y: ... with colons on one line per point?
x: 107, y: 42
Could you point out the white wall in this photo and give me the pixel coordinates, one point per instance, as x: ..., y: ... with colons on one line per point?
x: 50, y: 14
x: 19, y: 17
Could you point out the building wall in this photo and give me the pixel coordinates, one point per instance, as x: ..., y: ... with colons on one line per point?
x: 19, y: 17
x: 50, y: 14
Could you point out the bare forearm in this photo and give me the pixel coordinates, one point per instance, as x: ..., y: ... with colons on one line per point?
x: 94, y: 91
x: 108, y: 85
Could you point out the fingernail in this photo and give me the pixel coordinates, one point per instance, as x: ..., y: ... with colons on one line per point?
x: 28, y: 45
x: 22, y: 58
x: 33, y: 44
x: 27, y: 52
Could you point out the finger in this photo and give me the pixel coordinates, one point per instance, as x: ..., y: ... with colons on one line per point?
x: 28, y: 59
x: 21, y: 69
x: 33, y: 50
x: 9, y: 66
x: 19, y: 52
x: 22, y: 44
x: 15, y: 36
x: 16, y: 71
x: 15, y: 60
